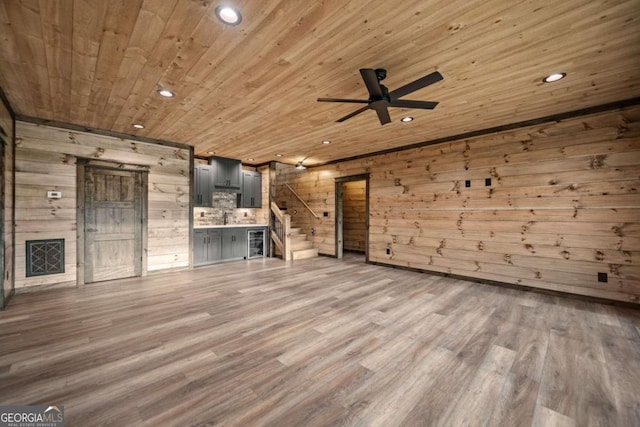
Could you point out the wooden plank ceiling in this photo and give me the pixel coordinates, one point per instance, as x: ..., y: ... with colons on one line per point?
x: 250, y: 91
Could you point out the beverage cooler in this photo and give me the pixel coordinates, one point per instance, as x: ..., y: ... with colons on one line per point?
x: 257, y: 243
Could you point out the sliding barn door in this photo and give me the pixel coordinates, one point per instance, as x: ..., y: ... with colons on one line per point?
x: 113, y: 203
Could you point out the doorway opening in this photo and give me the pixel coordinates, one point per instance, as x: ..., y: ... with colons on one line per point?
x: 352, y: 216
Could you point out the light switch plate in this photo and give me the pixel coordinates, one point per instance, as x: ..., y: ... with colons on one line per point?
x: 54, y: 194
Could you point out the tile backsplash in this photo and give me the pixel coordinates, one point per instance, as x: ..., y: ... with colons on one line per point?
x: 224, y: 202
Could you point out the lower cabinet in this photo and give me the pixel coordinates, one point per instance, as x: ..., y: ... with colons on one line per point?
x: 207, y: 246
x: 234, y: 243
x: 223, y: 244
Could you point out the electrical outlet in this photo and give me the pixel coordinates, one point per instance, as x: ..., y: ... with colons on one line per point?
x: 467, y: 183
x: 325, y: 214
x: 487, y: 182
x: 388, y: 251
x: 603, y: 277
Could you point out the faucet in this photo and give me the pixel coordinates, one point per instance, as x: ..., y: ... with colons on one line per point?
x: 225, y: 218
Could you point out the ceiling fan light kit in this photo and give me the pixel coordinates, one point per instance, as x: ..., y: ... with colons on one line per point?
x: 380, y: 98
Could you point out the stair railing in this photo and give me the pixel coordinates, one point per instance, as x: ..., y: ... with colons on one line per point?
x: 281, y: 231
x: 302, y: 201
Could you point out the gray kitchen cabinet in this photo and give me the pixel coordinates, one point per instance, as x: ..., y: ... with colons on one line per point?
x: 215, y: 245
x: 202, y: 185
x: 227, y: 174
x: 228, y: 243
x: 251, y: 196
x: 207, y: 246
x: 234, y: 243
x: 200, y: 247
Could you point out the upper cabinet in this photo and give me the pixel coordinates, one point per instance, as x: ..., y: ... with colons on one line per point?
x: 251, y: 196
x: 227, y: 174
x: 202, y: 185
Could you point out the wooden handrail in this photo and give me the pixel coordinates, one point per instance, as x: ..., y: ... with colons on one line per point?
x: 276, y: 211
x: 303, y: 202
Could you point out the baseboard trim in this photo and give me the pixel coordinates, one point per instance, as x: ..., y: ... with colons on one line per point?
x: 587, y: 298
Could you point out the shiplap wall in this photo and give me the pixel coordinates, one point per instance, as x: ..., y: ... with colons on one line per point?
x: 46, y: 160
x: 354, y: 215
x: 563, y: 205
x: 7, y: 124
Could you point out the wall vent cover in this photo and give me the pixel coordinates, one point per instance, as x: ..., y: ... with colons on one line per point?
x: 45, y: 257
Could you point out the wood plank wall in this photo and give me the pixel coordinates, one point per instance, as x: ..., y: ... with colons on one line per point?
x: 7, y: 124
x: 563, y: 205
x: 354, y: 215
x: 46, y: 160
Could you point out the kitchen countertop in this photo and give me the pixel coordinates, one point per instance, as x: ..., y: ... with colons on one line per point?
x: 230, y: 226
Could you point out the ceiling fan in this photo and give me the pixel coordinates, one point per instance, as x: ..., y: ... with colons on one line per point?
x: 380, y: 98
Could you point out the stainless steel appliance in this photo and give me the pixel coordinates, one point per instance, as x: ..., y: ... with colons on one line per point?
x: 256, y: 243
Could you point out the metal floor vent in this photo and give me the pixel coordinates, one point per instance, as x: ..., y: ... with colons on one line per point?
x: 45, y: 257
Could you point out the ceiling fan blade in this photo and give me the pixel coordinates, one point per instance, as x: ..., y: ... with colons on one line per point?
x: 415, y: 85
x: 354, y: 101
x: 383, y: 115
x: 372, y: 83
x: 406, y: 103
x: 355, y: 113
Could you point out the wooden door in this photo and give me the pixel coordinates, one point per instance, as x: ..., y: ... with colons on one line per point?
x: 113, y: 219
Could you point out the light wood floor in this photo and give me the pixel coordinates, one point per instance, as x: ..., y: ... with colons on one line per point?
x: 319, y: 342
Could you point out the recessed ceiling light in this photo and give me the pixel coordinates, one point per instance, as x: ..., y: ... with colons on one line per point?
x: 279, y: 155
x: 228, y: 15
x: 300, y: 166
x: 406, y: 119
x: 211, y: 152
x: 326, y: 142
x: 166, y: 93
x: 554, y: 77
x: 138, y: 126
x: 251, y: 159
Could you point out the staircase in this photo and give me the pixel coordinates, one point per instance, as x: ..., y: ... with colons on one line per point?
x: 289, y: 241
x: 301, y: 247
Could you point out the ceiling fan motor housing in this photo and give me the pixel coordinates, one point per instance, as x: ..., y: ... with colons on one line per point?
x: 381, y: 74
